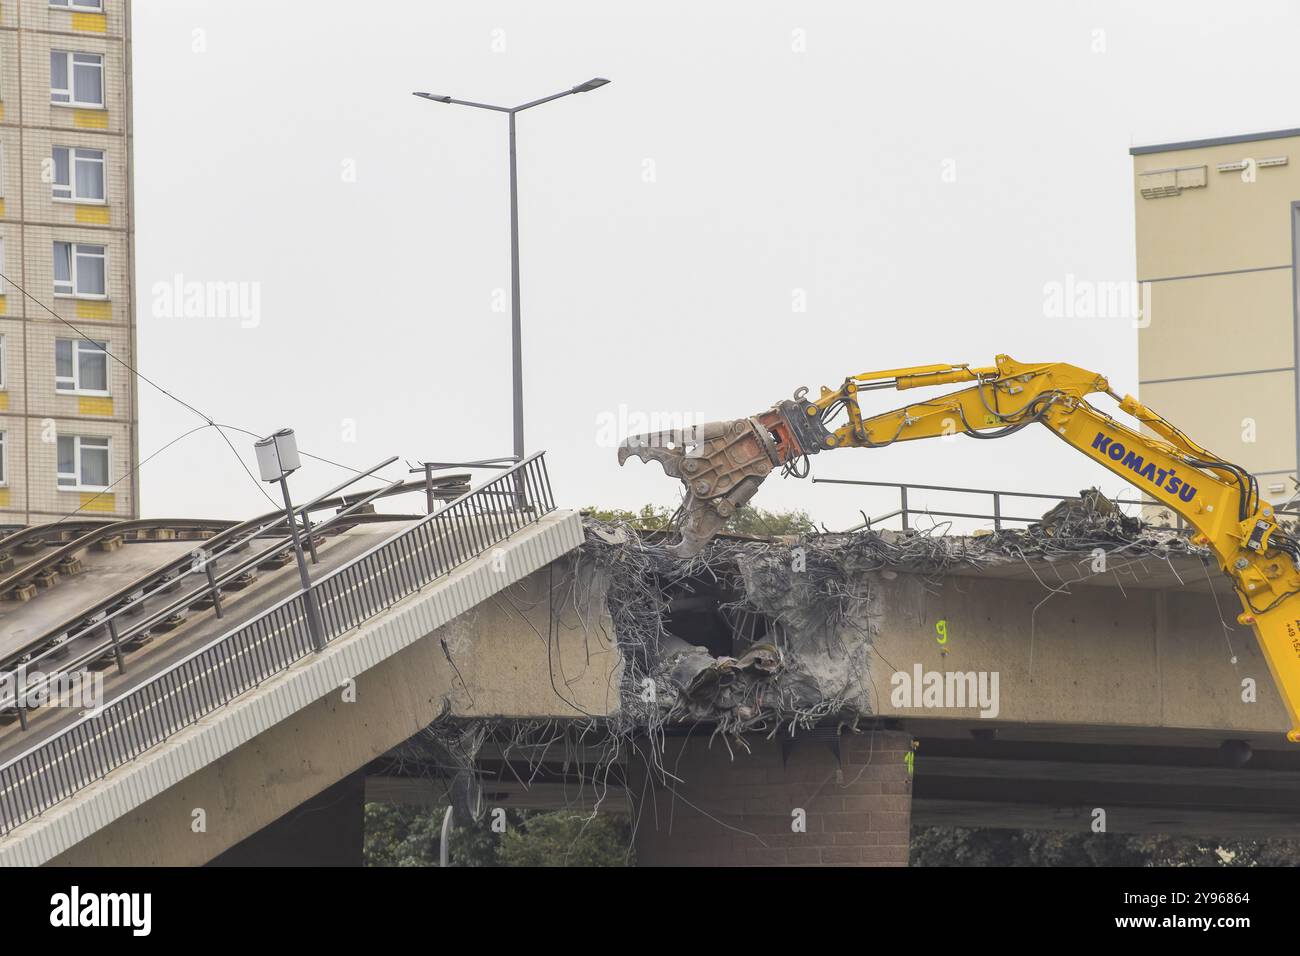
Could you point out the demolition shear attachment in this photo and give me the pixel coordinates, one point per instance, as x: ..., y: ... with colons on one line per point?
x: 722, y: 464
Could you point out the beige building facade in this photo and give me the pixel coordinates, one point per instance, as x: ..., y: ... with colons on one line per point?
x: 1217, y: 256
x: 68, y: 418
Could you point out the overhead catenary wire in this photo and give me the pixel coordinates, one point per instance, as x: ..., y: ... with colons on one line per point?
x: 100, y: 346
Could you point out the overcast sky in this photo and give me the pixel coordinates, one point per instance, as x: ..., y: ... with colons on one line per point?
x: 915, y: 174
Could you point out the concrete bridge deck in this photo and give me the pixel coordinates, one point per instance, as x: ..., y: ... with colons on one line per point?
x: 1124, y: 690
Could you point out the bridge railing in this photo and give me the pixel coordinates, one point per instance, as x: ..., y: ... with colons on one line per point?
x: 214, y: 675
x: 994, y: 510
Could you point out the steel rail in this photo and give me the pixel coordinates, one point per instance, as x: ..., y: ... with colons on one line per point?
x: 115, y: 639
x: 104, y: 615
x: 105, y: 532
x: 39, y: 533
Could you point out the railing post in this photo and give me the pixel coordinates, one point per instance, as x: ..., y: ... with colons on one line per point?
x: 428, y: 487
x: 902, y: 496
x: 117, y: 648
x: 18, y: 696
x: 997, y: 511
x: 311, y: 543
x: 212, y: 585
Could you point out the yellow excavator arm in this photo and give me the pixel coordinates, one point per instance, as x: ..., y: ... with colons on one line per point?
x: 722, y: 465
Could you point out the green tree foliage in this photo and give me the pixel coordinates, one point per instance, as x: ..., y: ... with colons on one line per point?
x: 410, y: 836
x: 402, y: 835
x: 649, y: 518
x: 957, y: 846
x: 566, y: 838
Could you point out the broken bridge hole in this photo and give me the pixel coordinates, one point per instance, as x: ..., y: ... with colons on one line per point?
x: 706, y: 613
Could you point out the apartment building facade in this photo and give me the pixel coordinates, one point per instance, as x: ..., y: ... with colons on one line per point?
x: 68, y: 419
x: 1217, y: 227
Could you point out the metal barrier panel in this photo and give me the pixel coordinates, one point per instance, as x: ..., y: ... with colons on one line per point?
x: 238, y: 661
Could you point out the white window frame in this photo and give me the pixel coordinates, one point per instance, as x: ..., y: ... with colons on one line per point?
x: 74, y: 293
x: 78, y: 6
x: 70, y: 92
x: 4, y: 460
x: 74, y: 384
x: 73, y: 159
x: 76, y: 463
x: 4, y: 363
x: 3, y: 289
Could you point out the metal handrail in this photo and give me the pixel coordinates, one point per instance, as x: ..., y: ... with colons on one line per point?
x: 904, y: 511
x: 233, y: 663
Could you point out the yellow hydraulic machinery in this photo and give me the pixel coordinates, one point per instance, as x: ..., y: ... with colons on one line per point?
x: 722, y: 464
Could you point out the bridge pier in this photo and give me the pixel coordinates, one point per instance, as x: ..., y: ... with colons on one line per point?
x: 811, y: 800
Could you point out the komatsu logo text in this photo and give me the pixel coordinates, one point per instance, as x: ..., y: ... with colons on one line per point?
x: 1164, y: 478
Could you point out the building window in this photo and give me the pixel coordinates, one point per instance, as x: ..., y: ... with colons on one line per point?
x: 77, y: 79
x: 3, y: 273
x: 85, y: 6
x: 4, y: 461
x: 81, y: 366
x: 83, y: 462
x: 4, y: 363
x: 78, y: 174
x: 79, y: 270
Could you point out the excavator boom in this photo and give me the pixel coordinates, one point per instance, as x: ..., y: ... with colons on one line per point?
x: 722, y: 465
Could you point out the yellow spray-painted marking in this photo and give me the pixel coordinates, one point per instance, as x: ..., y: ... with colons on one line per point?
x: 90, y: 119
x: 93, y: 215
x: 94, y: 405
x: 94, y: 310
x: 94, y: 501
x: 90, y: 22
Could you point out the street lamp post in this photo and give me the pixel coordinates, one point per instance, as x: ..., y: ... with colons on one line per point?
x: 516, y: 346
x: 277, y: 459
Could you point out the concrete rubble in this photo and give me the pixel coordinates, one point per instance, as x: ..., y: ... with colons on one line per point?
x: 775, y: 635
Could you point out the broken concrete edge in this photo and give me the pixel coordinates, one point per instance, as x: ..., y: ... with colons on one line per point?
x: 127, y: 787
x: 774, y: 636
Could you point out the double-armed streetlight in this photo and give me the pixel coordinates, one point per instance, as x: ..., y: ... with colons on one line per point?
x: 516, y: 345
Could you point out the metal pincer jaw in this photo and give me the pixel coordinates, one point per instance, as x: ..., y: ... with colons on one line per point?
x: 720, y: 465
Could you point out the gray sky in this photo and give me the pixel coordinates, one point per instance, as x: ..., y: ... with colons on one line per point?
x: 918, y: 171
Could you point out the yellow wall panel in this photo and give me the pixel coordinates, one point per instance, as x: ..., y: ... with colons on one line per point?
x: 4, y: 497
x: 90, y: 119
x: 1189, y: 318
x: 1228, y: 224
x: 92, y: 501
x: 1247, y: 419
x: 90, y: 22
x: 4, y: 401
x: 93, y: 215
x: 94, y: 310
x: 94, y: 405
